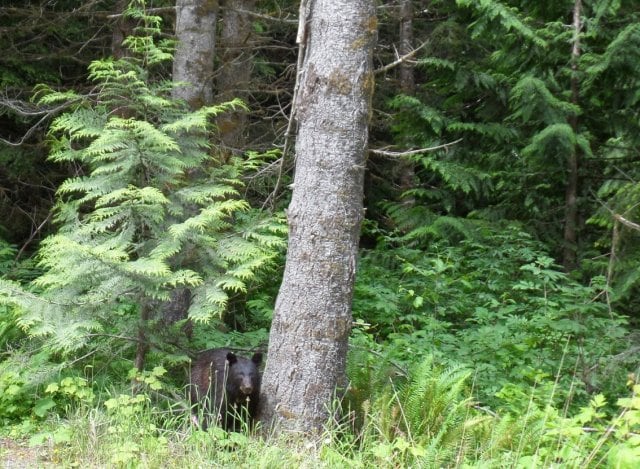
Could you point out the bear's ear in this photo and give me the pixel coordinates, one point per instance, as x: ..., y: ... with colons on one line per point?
x: 231, y: 358
x: 257, y: 358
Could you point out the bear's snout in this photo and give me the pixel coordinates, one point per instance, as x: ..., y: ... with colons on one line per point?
x: 246, y: 389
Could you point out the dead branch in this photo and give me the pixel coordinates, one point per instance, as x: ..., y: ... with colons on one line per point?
x: 401, y: 154
x: 400, y: 60
x: 625, y: 222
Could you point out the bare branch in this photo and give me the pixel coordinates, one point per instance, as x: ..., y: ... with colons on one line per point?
x: 626, y: 222
x: 267, y: 17
x: 400, y: 154
x: 22, y: 109
x: 147, y: 10
x: 400, y: 60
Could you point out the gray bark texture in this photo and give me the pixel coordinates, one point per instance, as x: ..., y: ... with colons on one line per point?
x: 407, y: 80
x: 122, y: 28
x: 193, y: 61
x: 406, y: 170
x: 570, y: 252
x: 312, y: 320
x: 235, y: 69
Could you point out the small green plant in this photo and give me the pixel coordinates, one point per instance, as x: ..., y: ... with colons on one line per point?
x: 14, y: 401
x: 71, y: 390
x: 151, y: 379
x: 130, y: 429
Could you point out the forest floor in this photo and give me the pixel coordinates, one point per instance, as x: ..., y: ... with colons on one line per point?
x: 16, y: 454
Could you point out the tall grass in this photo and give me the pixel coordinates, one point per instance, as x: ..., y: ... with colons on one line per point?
x: 426, y: 418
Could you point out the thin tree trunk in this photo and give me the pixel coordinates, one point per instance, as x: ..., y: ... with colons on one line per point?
x: 570, y: 261
x: 143, y: 344
x: 406, y: 167
x: 122, y: 28
x: 193, y: 75
x: 407, y: 80
x: 312, y: 321
x: 193, y: 61
x: 235, y: 69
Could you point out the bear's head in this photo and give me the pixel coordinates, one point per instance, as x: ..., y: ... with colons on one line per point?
x: 243, y: 376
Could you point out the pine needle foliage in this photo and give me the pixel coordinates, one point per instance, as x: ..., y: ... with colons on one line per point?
x: 153, y: 208
x: 498, y: 78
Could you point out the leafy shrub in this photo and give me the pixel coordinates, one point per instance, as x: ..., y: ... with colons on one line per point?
x: 496, y: 302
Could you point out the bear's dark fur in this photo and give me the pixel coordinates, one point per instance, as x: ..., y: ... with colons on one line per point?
x: 225, y: 387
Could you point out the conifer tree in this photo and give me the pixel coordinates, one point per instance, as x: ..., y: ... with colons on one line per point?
x: 132, y: 227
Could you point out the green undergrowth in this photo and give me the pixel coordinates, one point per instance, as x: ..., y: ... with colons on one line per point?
x: 425, y: 416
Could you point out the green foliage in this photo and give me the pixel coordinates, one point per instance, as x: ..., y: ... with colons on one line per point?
x: 422, y: 417
x: 425, y: 420
x: 531, y: 100
x: 153, y: 209
x: 498, y: 78
x: 492, y: 13
x: 24, y: 376
x: 497, y: 303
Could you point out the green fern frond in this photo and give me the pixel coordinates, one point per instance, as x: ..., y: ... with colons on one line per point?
x: 215, y: 217
x: 92, y: 187
x: 437, y: 63
x: 184, y: 277
x: 167, y: 247
x: 148, y: 268
x: 442, y: 227
x: 233, y: 284
x: 497, y: 132
x: 145, y: 135
x: 45, y: 95
x: 79, y: 125
x: 621, y: 53
x: 247, y: 270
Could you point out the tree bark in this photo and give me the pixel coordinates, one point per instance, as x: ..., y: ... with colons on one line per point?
x: 122, y: 28
x: 235, y: 69
x: 569, y: 258
x: 193, y: 67
x: 142, y: 346
x: 407, y: 80
x: 406, y: 167
x: 193, y: 61
x: 312, y: 321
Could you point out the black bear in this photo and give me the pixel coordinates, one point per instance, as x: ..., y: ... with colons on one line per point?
x: 225, y: 387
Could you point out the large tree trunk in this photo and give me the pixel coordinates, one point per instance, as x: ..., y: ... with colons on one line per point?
x: 312, y: 321
x: 570, y: 259
x: 235, y: 69
x: 193, y: 61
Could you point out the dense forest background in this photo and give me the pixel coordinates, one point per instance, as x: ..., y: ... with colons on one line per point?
x: 496, y: 301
